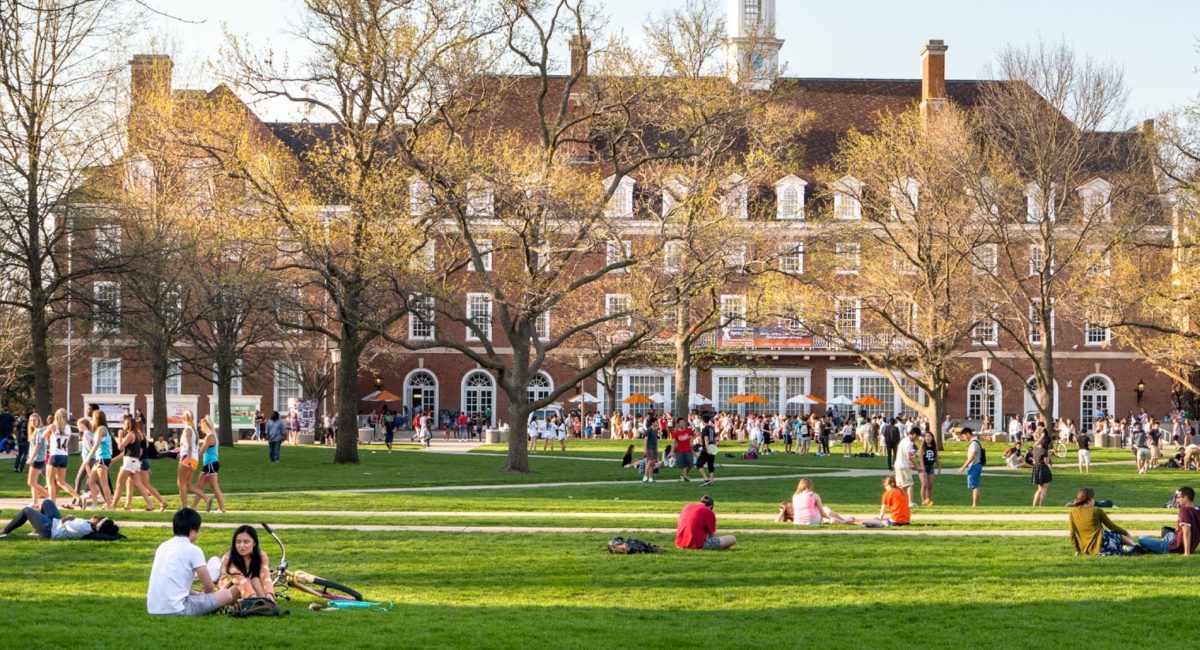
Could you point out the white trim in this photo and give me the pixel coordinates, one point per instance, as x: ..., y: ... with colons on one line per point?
x: 1030, y: 403
x: 793, y: 183
x: 736, y: 302
x: 847, y: 189
x: 277, y: 403
x: 857, y: 375
x: 406, y: 401
x: 484, y: 246
x: 997, y: 397
x: 608, y: 310
x: 95, y: 388
x: 98, y: 318
x: 1110, y: 394
x: 414, y: 319
x: 741, y: 374
x: 462, y: 395
x: 620, y: 204
x: 546, y: 317
x: 470, y: 333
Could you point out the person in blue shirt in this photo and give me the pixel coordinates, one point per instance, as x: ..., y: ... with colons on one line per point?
x: 210, y: 466
x: 275, y: 435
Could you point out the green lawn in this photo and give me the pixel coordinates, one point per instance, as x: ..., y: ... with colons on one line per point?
x: 562, y: 590
x: 565, y: 591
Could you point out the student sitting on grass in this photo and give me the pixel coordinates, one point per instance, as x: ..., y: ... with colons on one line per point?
x: 698, y: 528
x: 627, y: 459
x: 1186, y: 535
x: 48, y: 523
x: 806, y: 508
x: 1089, y: 524
x: 177, y: 562
x: 894, y: 510
x: 246, y: 567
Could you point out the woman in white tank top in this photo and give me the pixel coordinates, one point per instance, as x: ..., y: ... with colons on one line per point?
x: 59, y: 433
x: 188, y: 461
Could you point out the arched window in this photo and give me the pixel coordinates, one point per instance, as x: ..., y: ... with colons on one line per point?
x: 479, y: 396
x: 983, y: 398
x: 540, y: 387
x: 1095, y: 396
x: 421, y: 392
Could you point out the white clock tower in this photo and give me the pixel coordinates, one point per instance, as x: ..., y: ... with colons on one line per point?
x: 751, y: 49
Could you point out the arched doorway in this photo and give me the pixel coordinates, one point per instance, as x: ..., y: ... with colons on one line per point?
x: 540, y: 387
x: 479, y: 396
x: 984, y: 399
x: 1031, y: 397
x: 421, y: 392
x: 1096, y: 394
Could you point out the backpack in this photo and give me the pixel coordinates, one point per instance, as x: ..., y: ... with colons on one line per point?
x: 255, y: 606
x: 621, y: 546
x: 982, y: 453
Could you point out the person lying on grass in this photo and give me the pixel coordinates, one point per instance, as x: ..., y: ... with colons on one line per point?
x: 48, y: 523
x: 177, y: 562
x: 894, y: 510
x: 698, y: 528
x: 1089, y: 524
x: 806, y: 508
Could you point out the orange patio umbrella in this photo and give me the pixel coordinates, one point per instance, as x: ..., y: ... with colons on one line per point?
x: 868, y: 400
x: 748, y: 399
x: 814, y: 398
x: 382, y: 395
x: 638, y: 398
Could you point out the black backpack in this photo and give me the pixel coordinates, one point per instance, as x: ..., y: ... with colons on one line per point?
x: 255, y: 606
x: 621, y: 546
x: 982, y: 454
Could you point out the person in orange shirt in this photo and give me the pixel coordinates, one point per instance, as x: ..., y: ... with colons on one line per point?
x: 894, y: 510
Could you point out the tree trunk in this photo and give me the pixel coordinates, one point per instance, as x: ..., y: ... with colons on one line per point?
x: 518, y: 435
x: 159, y: 366
x: 224, y: 408
x: 39, y: 354
x: 347, y: 400
x: 683, y: 372
x: 937, y: 409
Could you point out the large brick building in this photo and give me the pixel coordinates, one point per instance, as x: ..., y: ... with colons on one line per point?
x: 1091, y: 372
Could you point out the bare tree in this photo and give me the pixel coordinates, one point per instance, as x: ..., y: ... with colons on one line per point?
x: 58, y: 119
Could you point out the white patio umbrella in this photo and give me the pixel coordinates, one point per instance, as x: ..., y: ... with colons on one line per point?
x: 842, y: 400
x: 802, y: 399
x: 697, y: 399
x: 585, y: 398
x: 658, y: 398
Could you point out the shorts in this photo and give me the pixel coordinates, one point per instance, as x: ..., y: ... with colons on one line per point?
x: 706, y: 460
x: 387, y: 437
x: 684, y: 460
x: 145, y: 465
x: 211, y: 469
x: 131, y: 464
x: 846, y: 440
x: 1143, y: 454
x: 39, y: 465
x: 199, y: 605
x: 712, y: 543
x: 974, y: 473
x: 903, y: 477
x: 58, y: 461
x: 1085, y: 456
x: 107, y: 462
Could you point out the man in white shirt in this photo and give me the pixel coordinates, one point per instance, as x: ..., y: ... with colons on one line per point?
x: 905, y: 453
x: 177, y: 562
x: 1014, y: 429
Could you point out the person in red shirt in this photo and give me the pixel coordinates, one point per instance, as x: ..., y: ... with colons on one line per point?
x: 698, y: 528
x: 894, y: 510
x: 682, y: 436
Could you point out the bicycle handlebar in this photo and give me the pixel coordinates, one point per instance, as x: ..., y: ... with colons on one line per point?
x: 282, y: 549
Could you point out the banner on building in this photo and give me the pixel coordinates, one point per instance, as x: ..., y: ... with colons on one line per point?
x: 777, y: 338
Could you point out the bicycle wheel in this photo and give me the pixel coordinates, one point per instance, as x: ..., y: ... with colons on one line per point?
x: 331, y: 590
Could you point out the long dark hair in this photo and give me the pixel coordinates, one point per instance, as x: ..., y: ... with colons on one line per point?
x: 235, y: 558
x: 1044, y: 442
x: 1084, y: 495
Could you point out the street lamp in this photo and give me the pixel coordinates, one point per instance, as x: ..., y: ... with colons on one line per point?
x: 1141, y: 390
x: 987, y: 393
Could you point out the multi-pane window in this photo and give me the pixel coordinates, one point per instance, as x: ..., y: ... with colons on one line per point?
x: 987, y: 259
x: 673, y: 256
x: 846, y: 204
x: 1035, y: 323
x: 619, y: 303
x: 1096, y: 334
x: 1099, y: 260
x: 735, y: 202
x: 106, y: 376
x: 106, y: 307
x: 485, y: 255
x: 791, y: 319
x: 287, y: 385
x: 479, y: 311
x: 1095, y: 397
x: 542, y: 326
x: 735, y: 256
x: 424, y: 258
x: 539, y: 387
x: 791, y: 259
x: 905, y: 198
x: 108, y: 240
x: 982, y: 393
x: 849, y: 257
x: 617, y: 252
x: 733, y: 311
x: 847, y: 315
x: 1096, y: 197
x: 174, y: 377
x: 1037, y: 259
x: 480, y: 199
x: 751, y: 13
x: 420, y: 317
x: 235, y: 382
x: 1039, y: 206
x: 789, y: 203
x: 620, y: 204
x: 986, y: 328
x: 420, y: 197
x: 172, y: 300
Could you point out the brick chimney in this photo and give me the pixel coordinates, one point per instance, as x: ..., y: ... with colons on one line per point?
x: 933, y: 74
x: 580, y: 46
x: 149, y: 90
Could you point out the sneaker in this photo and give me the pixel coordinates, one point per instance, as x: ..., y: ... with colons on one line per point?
x: 705, y: 483
x: 645, y: 479
x: 650, y: 480
x: 686, y: 479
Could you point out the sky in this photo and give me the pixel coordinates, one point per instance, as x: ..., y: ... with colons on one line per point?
x: 1154, y: 41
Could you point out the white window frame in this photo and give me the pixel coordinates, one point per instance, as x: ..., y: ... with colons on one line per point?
x: 236, y: 385
x: 840, y: 306
x: 1096, y: 193
x: 988, y: 257
x: 733, y: 310
x: 1034, y: 320
x: 174, y: 384
x: 485, y: 254
x: 1037, y: 259
x: 618, y: 302
x: 106, y: 323
x: 620, y: 204
x: 481, y: 199
x: 282, y: 371
x: 425, y: 258
x: 420, y: 197
x: 1095, y: 335
x: 101, y: 365
x: 790, y: 183
x: 108, y: 239
x: 617, y: 251
x: 1103, y: 265
x: 846, y: 204
x: 475, y: 300
x: 1033, y: 203
x: 985, y: 316
x: 417, y: 304
x: 791, y: 258
x: 852, y: 250
x: 735, y: 200
x: 672, y: 256
x: 735, y: 256
x: 905, y: 195
x: 541, y: 326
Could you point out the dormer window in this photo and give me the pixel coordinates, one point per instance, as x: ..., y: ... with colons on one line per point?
x: 1039, y: 207
x: 751, y: 14
x: 846, y: 202
x: 789, y: 197
x: 1096, y: 197
x: 735, y: 199
x: 620, y: 204
x: 905, y: 198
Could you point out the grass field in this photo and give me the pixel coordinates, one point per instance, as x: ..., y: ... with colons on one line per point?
x: 562, y: 590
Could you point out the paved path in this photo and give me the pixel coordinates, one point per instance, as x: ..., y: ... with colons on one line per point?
x: 823, y: 530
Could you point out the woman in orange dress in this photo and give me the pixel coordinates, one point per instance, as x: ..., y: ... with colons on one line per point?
x: 246, y: 566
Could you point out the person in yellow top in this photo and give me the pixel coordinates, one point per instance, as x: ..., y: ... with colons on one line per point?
x: 1092, y: 532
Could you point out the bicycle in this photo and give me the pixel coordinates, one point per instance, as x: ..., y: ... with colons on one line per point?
x: 284, y: 578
